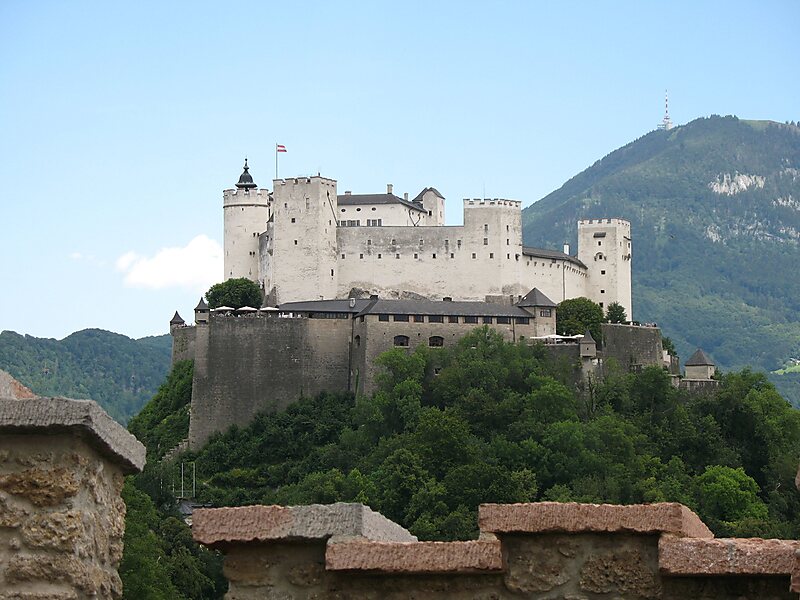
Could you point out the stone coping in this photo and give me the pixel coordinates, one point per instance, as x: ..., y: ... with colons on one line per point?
x: 726, y: 556
x: 11, y: 388
x: 55, y: 415
x: 571, y: 517
x: 293, y: 523
x: 478, y: 556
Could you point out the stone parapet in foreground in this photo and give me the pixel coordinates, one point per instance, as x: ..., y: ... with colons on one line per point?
x: 62, y: 467
x: 545, y: 551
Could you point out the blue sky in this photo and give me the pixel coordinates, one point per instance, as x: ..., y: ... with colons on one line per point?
x: 121, y: 123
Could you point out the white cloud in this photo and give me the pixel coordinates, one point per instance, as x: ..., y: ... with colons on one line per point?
x: 76, y: 255
x: 195, y: 266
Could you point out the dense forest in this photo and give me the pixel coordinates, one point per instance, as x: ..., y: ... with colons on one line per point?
x: 483, y: 421
x: 713, y: 207
x: 119, y: 373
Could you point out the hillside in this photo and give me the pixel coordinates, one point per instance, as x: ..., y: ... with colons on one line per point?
x: 120, y: 373
x: 714, y: 207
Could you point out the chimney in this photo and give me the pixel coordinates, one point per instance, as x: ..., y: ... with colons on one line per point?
x: 405, y: 196
x: 566, y: 249
x: 388, y: 188
x: 347, y: 192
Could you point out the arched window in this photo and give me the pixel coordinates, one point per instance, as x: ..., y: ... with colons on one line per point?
x: 599, y: 256
x: 358, y: 341
x: 436, y: 341
x: 401, y: 341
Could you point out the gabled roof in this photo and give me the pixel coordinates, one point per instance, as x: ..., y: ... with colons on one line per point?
x: 699, y: 359
x: 177, y: 320
x: 201, y: 305
x: 357, y: 199
x: 418, y: 198
x: 326, y: 306
x: 587, y: 338
x: 536, y: 298
x: 552, y: 254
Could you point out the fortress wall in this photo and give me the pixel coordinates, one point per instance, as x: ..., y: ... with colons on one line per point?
x: 632, y: 345
x: 556, y: 279
x: 249, y: 364
x: 378, y: 337
x: 183, y: 343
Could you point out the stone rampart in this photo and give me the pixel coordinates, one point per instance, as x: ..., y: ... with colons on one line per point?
x: 183, y: 343
x: 632, y: 346
x: 62, y: 518
x: 540, y: 551
x: 253, y: 363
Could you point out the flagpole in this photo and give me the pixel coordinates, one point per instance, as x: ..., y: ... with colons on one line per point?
x: 276, y: 160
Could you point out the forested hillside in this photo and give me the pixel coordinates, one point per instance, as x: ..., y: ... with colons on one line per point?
x: 120, y: 373
x: 714, y: 207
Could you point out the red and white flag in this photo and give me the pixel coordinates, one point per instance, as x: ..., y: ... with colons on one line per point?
x: 280, y: 148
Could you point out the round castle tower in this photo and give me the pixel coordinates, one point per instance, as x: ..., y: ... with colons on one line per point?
x: 246, y: 211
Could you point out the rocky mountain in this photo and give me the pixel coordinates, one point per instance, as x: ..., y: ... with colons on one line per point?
x: 714, y: 207
x: 120, y: 373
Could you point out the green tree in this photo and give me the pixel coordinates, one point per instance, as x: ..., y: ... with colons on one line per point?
x: 576, y: 315
x: 615, y: 313
x: 727, y: 496
x: 235, y: 293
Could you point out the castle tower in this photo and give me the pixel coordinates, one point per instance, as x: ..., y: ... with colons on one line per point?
x: 604, y: 246
x: 299, y: 248
x: 246, y: 212
x: 493, y: 232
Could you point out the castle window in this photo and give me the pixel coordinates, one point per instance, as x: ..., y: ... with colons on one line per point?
x: 506, y: 227
x: 286, y: 205
x: 602, y: 291
x: 369, y: 242
x: 435, y: 319
x: 491, y: 254
x: 293, y: 219
x: 420, y: 242
x: 508, y: 243
x: 361, y: 319
x: 447, y: 242
x: 344, y: 210
x: 452, y: 255
x: 503, y: 320
x: 373, y: 208
x: 430, y: 214
x: 394, y: 242
x: 508, y: 256
x: 602, y: 272
x: 434, y: 255
x: 397, y: 256
x: 436, y: 341
x: 599, y: 256
x: 295, y: 242
x: 360, y: 256
x: 416, y: 255
x: 485, y: 227
x: 485, y: 241
x: 358, y: 209
x: 379, y: 256
x: 470, y: 319
x: 599, y: 243
x: 331, y: 272
x: 342, y: 255
x: 401, y: 341
x: 358, y: 341
x: 400, y: 318
x: 601, y: 305
x: 487, y: 320
x: 384, y: 318
x: 419, y: 319
x: 452, y: 319
x: 458, y: 243
x: 544, y: 312
x: 522, y: 320
x: 473, y: 255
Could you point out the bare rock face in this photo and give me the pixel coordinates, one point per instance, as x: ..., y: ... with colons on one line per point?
x: 11, y: 388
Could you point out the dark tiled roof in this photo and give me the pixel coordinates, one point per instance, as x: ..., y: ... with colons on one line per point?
x: 245, y: 179
x: 327, y: 306
x: 177, y: 320
x: 699, y: 359
x: 358, y: 199
x: 419, y: 196
x: 535, y: 298
x: 545, y: 253
x: 438, y: 307
x: 201, y: 305
x: 587, y: 338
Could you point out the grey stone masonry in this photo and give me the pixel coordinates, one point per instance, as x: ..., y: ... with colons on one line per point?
x: 56, y: 415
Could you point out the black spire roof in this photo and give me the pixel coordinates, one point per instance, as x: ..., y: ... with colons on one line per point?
x: 176, y: 320
x: 245, y: 179
x: 201, y: 305
x: 587, y: 338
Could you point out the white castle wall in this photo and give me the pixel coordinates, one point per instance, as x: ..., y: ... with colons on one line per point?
x: 246, y: 213
x: 604, y: 246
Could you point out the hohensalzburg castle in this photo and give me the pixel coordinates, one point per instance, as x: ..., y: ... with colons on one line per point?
x: 348, y: 277
x: 304, y: 241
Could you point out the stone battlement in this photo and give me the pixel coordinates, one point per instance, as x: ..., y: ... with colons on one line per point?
x: 303, y: 180
x: 540, y: 550
x: 621, y: 222
x: 470, y: 202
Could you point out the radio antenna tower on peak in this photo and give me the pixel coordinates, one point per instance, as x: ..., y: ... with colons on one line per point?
x: 666, y: 123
